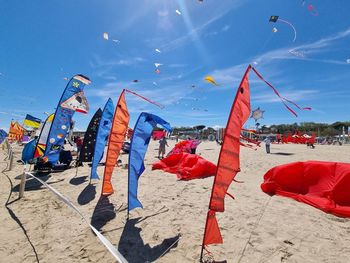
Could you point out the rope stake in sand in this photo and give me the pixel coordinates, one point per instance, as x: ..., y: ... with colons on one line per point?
x: 119, y: 257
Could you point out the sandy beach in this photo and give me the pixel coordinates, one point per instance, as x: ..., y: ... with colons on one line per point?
x: 279, y: 229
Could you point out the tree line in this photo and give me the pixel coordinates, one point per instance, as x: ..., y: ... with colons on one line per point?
x: 320, y: 129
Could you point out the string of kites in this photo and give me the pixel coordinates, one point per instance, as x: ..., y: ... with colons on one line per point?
x: 111, y: 123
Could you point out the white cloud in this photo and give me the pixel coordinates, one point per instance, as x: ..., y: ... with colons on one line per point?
x: 232, y: 75
x: 99, y: 62
x: 318, y: 46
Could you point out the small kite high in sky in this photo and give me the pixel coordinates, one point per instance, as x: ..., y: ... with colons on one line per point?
x: 211, y: 80
x: 257, y: 114
x: 106, y: 37
x: 178, y: 12
x: 312, y: 10
x: 157, y: 50
x: 274, y: 19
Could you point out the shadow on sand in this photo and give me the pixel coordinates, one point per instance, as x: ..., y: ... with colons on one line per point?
x: 103, y: 213
x: 135, y: 250
x: 33, y: 184
x: 78, y: 180
x: 87, y: 195
x: 285, y: 154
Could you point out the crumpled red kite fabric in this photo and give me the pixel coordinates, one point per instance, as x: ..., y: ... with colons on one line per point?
x: 184, y: 146
x: 298, y: 138
x: 324, y: 185
x: 186, y: 166
x: 157, y: 135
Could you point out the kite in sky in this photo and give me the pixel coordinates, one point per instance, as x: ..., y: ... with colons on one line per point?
x: 157, y: 50
x: 257, y: 114
x: 312, y: 10
x: 178, y: 12
x: 106, y: 37
x: 211, y: 80
x: 274, y: 19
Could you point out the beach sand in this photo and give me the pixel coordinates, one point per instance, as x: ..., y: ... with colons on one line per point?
x: 278, y: 229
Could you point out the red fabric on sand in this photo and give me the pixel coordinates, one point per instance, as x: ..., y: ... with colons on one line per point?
x: 324, y: 185
x: 186, y: 166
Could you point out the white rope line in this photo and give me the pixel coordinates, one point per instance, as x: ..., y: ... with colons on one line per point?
x: 119, y: 257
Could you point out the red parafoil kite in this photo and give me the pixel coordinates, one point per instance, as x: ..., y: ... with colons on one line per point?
x: 186, y: 166
x: 324, y: 185
x: 184, y: 146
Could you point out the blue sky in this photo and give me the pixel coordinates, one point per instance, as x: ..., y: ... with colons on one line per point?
x: 42, y: 42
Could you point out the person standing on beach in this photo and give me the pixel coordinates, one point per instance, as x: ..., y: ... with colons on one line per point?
x: 162, y: 144
x: 267, y: 144
x: 79, y: 143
